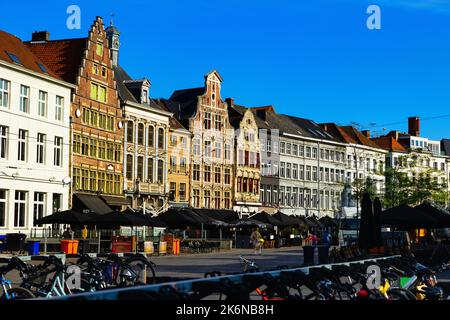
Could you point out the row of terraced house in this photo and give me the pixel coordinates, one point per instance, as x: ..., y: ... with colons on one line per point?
x: 77, y: 131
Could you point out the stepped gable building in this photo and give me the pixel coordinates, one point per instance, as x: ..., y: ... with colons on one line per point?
x: 205, y: 115
x: 97, y: 127
x: 305, y: 165
x: 34, y: 138
x: 364, y: 161
x: 146, y: 126
x: 247, y: 151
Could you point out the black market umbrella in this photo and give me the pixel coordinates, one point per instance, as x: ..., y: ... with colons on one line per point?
x: 267, y: 218
x: 441, y: 215
x: 67, y: 217
x: 316, y: 222
x: 148, y: 220
x: 366, y: 230
x: 218, y: 214
x: 176, y: 218
x: 404, y: 217
x: 287, y: 221
x: 377, y: 208
x: 250, y: 223
x: 327, y: 221
x: 116, y: 218
x: 310, y: 224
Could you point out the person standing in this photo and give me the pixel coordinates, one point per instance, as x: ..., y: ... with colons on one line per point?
x: 257, y: 240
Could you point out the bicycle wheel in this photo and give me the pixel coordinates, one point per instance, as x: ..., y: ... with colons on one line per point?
x: 20, y: 293
x: 141, y: 268
x: 401, y: 294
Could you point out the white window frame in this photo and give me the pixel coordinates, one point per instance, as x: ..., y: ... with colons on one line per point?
x: 17, y: 205
x: 24, y: 105
x: 59, y: 108
x: 40, y: 148
x: 4, y: 201
x: 39, y: 204
x: 4, y: 142
x: 4, y: 93
x: 22, y: 145
x: 57, y: 152
x: 42, y: 103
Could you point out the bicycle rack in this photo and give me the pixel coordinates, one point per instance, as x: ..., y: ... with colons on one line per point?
x: 186, y: 286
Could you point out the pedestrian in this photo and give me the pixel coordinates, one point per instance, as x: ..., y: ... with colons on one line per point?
x: 326, y: 240
x: 314, y: 239
x: 257, y: 240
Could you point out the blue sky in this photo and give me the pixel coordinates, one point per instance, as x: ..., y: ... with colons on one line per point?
x: 313, y: 59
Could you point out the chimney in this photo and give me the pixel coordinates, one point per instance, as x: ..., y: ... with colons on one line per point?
x: 366, y: 133
x: 40, y: 36
x: 229, y: 101
x: 414, y: 126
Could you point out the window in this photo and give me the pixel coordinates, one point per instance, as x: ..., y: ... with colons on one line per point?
x: 301, y: 151
x: 160, y: 171
x: 196, y: 198
x: 117, y: 184
x: 76, y: 178
x: 197, y: 149
x: 218, y: 122
x: 38, y: 206
x: 150, y: 170
x: 308, y: 173
x: 218, y: 150
x: 332, y: 155
x: 196, y: 172
x: 207, y: 148
x: 98, y: 92
x: 110, y: 123
x: 282, y: 147
x: 95, y: 69
x: 183, y: 142
x: 173, y: 164
x: 161, y: 138
x: 42, y: 104
x: 207, y: 198
x: 2, y: 208
x: 93, y: 180
x: 295, y: 171
x: 24, y: 99
x: 20, y: 204
x: 22, y: 145
x: 182, y: 165
x: 99, y: 49
x: 101, y: 181
x: 282, y: 169
x: 217, y: 174
x: 57, y: 152
x: 3, y: 142
x: 227, y: 176
x: 282, y: 196
x: 151, y: 136
x: 207, y: 175
x: 13, y: 57
x: 140, y: 134
x: 314, y: 153
x: 4, y: 93
x: 308, y: 152
x: 129, y: 172
x: 314, y: 174
x: 302, y: 172
x: 85, y: 180
x: 140, y: 168
x: 227, y: 200
x: 288, y: 170
x: 314, y: 198
x: 173, y: 191
x: 294, y: 197
x: 130, y: 127
x: 288, y: 148
x: 40, y: 152
x: 295, y: 150
x: 102, y: 149
x: 227, y: 152
x: 173, y: 141
x: 207, y: 121
x: 59, y: 107
x: 104, y: 72
x: 182, y: 192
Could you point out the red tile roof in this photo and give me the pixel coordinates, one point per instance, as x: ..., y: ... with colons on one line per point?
x: 349, y: 134
x: 12, y: 44
x: 389, y: 143
x: 63, y: 57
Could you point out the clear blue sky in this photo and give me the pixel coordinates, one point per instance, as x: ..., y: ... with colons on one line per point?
x: 313, y: 59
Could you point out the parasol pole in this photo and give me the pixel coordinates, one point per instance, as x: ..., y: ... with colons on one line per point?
x: 99, y: 239
x: 220, y: 234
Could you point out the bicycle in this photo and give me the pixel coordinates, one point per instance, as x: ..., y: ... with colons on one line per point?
x: 248, y: 265
x: 10, y: 293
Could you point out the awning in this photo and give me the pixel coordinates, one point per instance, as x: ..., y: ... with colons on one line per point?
x: 92, y: 203
x: 115, y: 200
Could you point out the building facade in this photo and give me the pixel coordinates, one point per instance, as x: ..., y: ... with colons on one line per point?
x: 146, y: 126
x: 247, y: 151
x: 205, y: 115
x: 365, y: 166
x: 305, y: 163
x: 34, y: 138
x: 97, y: 125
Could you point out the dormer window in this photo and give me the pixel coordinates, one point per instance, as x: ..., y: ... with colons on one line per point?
x: 144, y: 96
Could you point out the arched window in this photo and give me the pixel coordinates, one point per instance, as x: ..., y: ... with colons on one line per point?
x: 141, y: 134
x: 130, y: 129
x: 160, y: 138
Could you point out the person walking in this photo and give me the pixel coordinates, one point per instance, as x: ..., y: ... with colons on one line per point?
x: 257, y: 240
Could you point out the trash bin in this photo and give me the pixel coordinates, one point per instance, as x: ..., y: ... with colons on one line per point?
x: 176, y: 247
x: 74, y: 247
x: 308, y: 255
x: 15, y: 242
x: 83, y: 246
x: 33, y: 247
x: 66, y: 246
x: 323, y: 254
